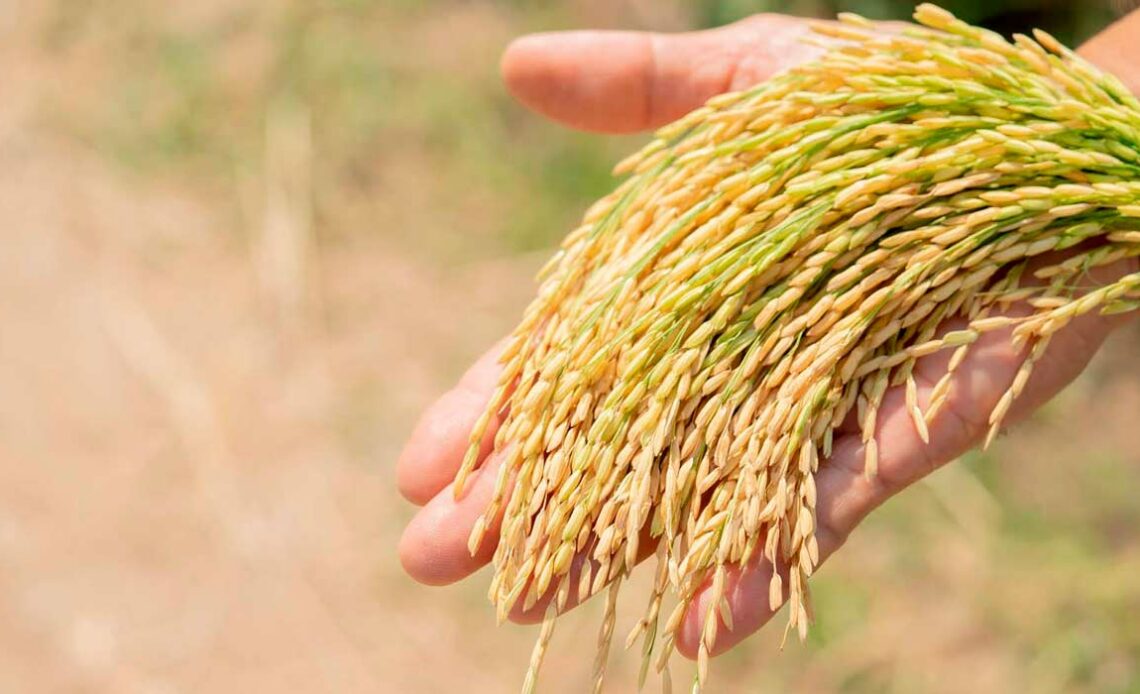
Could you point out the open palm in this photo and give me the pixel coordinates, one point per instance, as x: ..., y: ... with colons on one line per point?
x: 628, y: 82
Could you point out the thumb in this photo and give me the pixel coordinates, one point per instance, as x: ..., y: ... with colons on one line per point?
x: 626, y: 81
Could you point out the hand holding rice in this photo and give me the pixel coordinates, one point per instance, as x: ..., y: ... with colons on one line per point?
x: 773, y: 262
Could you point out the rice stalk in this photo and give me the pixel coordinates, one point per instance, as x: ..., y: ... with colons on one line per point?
x: 773, y: 263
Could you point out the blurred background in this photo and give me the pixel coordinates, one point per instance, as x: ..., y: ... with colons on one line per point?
x: 244, y: 243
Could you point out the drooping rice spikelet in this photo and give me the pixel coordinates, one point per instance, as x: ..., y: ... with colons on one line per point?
x: 774, y: 262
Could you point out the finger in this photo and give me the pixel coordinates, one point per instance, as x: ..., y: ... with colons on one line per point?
x: 626, y: 81
x: 433, y: 548
x: 846, y: 495
x: 437, y: 445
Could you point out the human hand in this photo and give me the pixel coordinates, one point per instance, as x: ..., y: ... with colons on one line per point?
x: 626, y: 82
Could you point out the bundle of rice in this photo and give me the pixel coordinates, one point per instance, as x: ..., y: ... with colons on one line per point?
x: 773, y: 262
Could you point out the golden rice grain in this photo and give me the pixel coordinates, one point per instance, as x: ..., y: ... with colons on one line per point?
x: 774, y: 263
